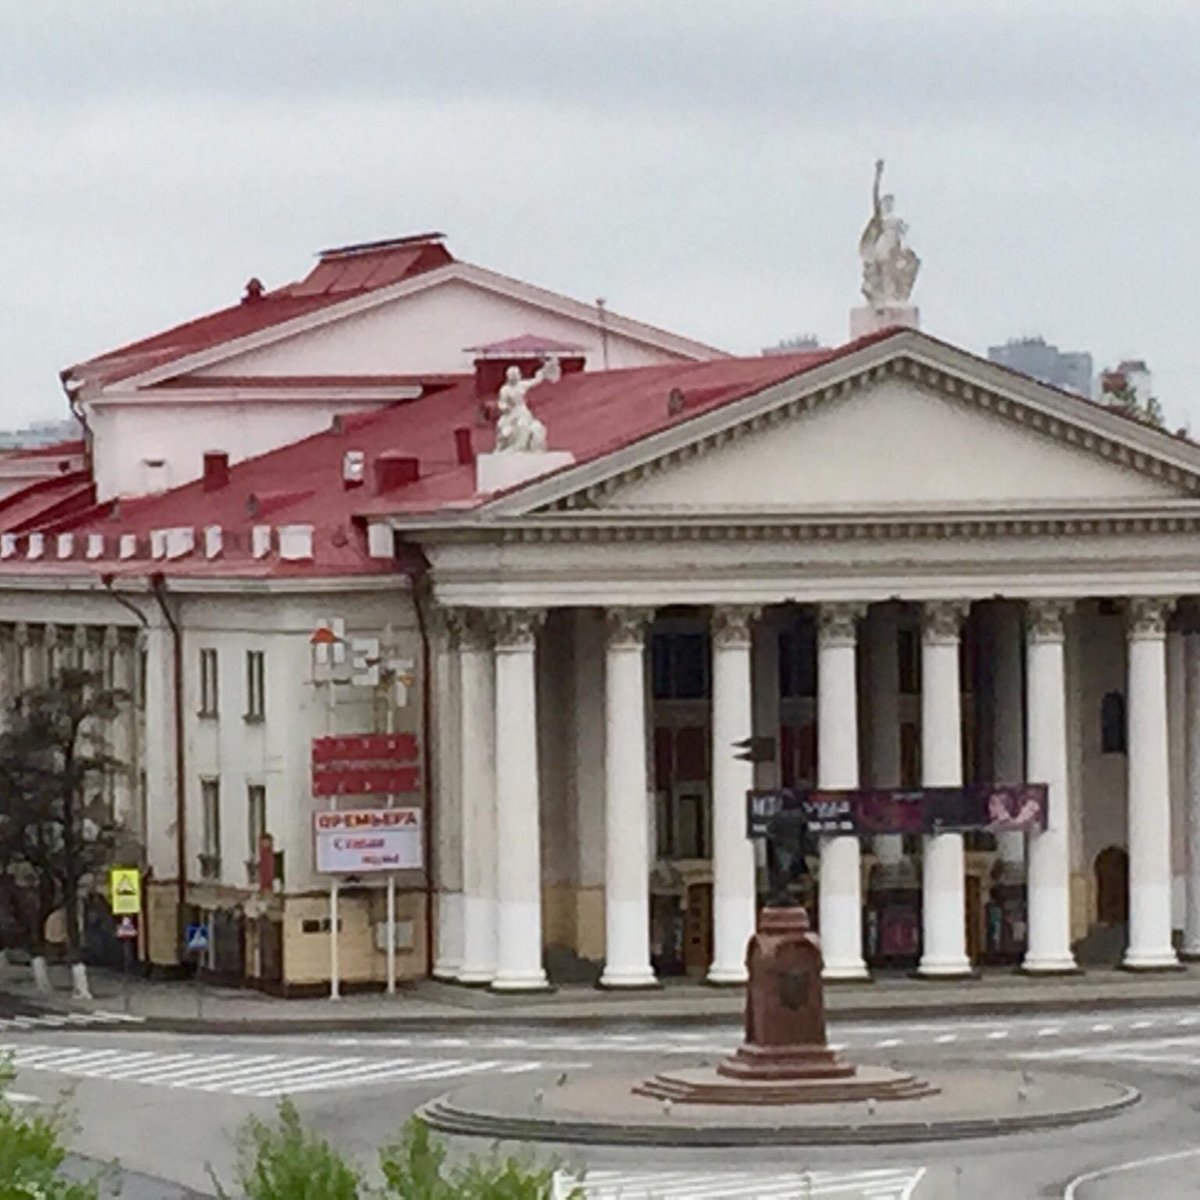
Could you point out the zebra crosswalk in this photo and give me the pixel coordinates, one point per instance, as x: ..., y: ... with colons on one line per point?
x: 1180, y: 1054
x: 263, y: 1076
x: 22, y: 1022
x: 886, y: 1183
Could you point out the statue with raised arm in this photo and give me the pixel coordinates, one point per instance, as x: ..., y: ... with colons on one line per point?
x: 518, y: 428
x: 889, y: 266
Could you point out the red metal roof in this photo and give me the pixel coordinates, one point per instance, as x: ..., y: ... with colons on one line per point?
x: 337, y: 276
x: 590, y: 414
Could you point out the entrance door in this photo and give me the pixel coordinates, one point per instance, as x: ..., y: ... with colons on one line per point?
x: 1112, y: 886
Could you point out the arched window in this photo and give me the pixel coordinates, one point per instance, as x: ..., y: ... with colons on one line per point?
x: 1112, y: 724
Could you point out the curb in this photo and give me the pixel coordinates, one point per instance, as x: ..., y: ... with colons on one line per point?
x: 444, y: 1117
x: 989, y: 1006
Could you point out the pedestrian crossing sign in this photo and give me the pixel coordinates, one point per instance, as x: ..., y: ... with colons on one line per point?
x: 125, y: 891
x: 197, y: 937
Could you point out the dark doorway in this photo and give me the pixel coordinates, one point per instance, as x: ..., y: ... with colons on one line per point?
x: 1112, y: 886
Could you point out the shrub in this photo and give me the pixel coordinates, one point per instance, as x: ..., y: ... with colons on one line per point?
x: 283, y: 1161
x: 414, y: 1168
x: 32, y: 1154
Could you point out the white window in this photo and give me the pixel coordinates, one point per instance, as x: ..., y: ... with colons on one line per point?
x: 255, y: 685
x: 208, y: 683
x: 256, y: 817
x: 210, y: 802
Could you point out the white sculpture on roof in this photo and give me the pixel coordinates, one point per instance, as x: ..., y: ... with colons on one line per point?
x: 518, y: 429
x: 889, y: 266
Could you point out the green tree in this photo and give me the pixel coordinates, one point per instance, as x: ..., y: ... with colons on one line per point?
x: 56, y: 821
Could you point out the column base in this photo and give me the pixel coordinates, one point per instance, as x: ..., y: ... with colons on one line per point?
x: 629, y: 983
x: 846, y: 973
x: 1163, y: 961
x: 1189, y: 954
x: 521, y: 983
x: 1050, y: 966
x: 475, y: 977
x: 956, y: 969
x: 445, y: 972
x: 727, y: 977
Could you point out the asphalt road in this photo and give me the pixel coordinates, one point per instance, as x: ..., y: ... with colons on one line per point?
x: 168, y: 1106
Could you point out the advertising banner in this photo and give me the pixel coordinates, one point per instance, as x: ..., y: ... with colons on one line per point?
x: 990, y: 807
x: 359, y: 841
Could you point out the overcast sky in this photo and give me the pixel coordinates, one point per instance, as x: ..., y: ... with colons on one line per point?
x: 704, y: 165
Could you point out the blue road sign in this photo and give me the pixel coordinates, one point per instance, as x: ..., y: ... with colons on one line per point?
x: 197, y: 937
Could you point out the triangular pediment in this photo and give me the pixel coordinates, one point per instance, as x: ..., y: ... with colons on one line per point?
x: 910, y: 424
x: 425, y: 325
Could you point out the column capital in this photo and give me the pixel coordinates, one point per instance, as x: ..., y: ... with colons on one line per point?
x: 837, y: 623
x: 1147, y: 617
x: 941, y: 620
x: 516, y: 628
x: 731, y: 623
x: 1045, y: 619
x: 469, y: 629
x: 625, y: 628
x: 21, y: 634
x: 49, y: 635
x: 112, y: 637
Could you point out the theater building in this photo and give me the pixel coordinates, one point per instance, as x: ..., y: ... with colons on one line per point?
x: 904, y: 564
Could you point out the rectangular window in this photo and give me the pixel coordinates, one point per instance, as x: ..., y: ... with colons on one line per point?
x: 908, y: 647
x: 255, y: 685
x: 210, y: 803
x: 143, y: 671
x: 208, y: 683
x: 679, y: 666
x: 798, y: 660
x: 256, y: 818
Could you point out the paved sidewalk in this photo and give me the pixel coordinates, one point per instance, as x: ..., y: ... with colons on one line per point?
x: 430, y: 1004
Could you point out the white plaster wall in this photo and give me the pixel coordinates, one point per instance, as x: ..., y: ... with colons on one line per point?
x: 892, y: 442
x: 429, y: 331
x: 125, y: 436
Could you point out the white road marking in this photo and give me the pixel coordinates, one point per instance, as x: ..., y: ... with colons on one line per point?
x: 1072, y: 1188
x: 1049, y: 1031
x: 258, y: 1075
x: 872, y: 1184
x: 997, y: 1035
x: 886, y: 1043
x: 1102, y: 1028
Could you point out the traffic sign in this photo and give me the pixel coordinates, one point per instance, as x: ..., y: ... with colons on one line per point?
x: 127, y: 929
x: 197, y: 938
x: 125, y: 891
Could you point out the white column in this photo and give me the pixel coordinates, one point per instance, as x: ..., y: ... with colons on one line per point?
x: 626, y: 828
x: 1049, y: 874
x: 518, y: 832
x: 1191, y: 928
x: 1149, y: 789
x: 477, y: 747
x: 883, y: 719
x: 1008, y: 725
x: 944, y: 948
x: 840, y: 880
x: 446, y: 757
x: 733, y: 855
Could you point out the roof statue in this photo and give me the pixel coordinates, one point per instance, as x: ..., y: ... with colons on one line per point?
x: 889, y: 266
x: 518, y: 429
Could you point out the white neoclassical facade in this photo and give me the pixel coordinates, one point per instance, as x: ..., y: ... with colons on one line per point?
x: 909, y: 567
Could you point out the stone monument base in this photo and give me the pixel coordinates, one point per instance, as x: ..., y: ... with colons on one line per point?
x: 842, y: 1084
x: 503, y: 469
x: 867, y: 318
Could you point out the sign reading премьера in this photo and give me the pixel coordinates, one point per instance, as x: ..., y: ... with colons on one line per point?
x: 358, y: 841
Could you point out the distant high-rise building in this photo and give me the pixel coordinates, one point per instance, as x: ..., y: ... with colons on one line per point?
x: 800, y: 344
x: 1070, y: 370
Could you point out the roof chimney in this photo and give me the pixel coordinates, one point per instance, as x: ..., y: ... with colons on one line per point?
x: 395, y: 471
x: 354, y: 466
x: 216, y: 470
x: 254, y: 290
